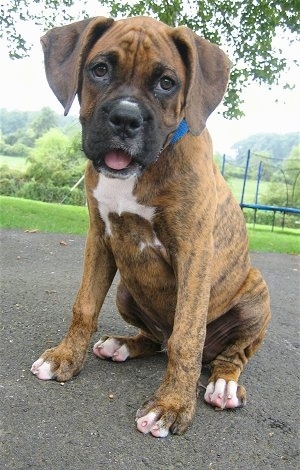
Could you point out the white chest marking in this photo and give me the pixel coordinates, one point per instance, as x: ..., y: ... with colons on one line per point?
x: 115, y: 195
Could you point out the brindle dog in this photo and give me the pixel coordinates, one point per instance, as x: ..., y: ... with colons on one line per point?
x: 160, y: 213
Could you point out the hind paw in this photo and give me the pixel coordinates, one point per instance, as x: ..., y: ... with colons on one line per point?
x: 223, y: 395
x: 111, y: 348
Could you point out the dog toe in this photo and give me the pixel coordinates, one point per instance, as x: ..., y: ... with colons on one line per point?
x: 145, y: 423
x: 159, y: 417
x: 111, y: 348
x: 42, y: 369
x: 225, y: 395
x: 150, y: 423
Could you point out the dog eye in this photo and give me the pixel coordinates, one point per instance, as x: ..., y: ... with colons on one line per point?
x: 166, y: 83
x: 100, y: 70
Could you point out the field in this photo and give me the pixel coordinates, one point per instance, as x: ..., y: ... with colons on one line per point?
x: 236, y: 186
x: 41, y: 216
x: 15, y: 163
x: 34, y: 215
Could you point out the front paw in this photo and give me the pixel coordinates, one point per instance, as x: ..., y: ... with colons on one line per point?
x: 60, y: 363
x: 43, y: 369
x: 159, y: 417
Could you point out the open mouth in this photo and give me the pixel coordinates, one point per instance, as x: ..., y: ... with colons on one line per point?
x: 118, y: 164
x: 117, y: 160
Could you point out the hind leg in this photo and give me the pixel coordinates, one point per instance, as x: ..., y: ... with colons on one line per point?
x: 120, y: 348
x: 242, y: 334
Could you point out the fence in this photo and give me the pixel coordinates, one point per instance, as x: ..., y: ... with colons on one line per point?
x: 256, y: 206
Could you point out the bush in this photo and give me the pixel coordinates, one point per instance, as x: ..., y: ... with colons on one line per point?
x: 56, y: 157
x: 51, y: 193
x: 15, y: 150
x: 18, y: 150
x: 267, y: 218
x: 14, y: 183
x: 9, y: 186
x: 11, y: 181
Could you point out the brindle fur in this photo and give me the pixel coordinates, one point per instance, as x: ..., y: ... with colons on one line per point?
x: 195, y: 295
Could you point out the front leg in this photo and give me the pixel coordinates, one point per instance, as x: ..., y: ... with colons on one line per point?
x: 174, y: 404
x: 66, y: 360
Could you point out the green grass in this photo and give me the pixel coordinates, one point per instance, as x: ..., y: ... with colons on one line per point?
x: 34, y: 215
x: 15, y: 163
x: 279, y: 241
x: 236, y: 186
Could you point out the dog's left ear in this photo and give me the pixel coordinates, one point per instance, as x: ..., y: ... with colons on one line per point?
x: 65, y: 49
x: 208, y: 69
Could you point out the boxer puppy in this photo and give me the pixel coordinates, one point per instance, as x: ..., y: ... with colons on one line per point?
x: 160, y: 213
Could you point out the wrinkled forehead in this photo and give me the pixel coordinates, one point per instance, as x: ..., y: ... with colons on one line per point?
x: 137, y: 42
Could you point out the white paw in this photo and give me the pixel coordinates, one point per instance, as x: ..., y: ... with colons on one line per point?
x: 111, y: 348
x: 150, y: 423
x: 42, y: 369
x: 223, y: 394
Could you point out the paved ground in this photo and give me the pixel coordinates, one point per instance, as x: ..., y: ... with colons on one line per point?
x: 78, y: 426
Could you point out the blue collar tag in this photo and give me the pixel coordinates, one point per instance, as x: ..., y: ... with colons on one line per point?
x: 181, y: 130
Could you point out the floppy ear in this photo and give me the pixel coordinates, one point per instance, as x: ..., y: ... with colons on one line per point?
x: 208, y: 69
x: 65, y: 49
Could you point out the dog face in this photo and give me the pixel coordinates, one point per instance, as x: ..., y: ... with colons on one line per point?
x: 132, y: 98
x: 136, y: 80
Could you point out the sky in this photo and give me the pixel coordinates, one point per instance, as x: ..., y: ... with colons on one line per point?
x: 24, y: 87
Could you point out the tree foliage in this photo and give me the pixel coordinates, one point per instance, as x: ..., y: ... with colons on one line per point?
x: 284, y: 189
x: 292, y: 166
x: 19, y: 129
x: 11, y: 121
x: 55, y: 157
x: 45, y: 120
x: 246, y: 30
x: 276, y: 146
x: 54, y: 163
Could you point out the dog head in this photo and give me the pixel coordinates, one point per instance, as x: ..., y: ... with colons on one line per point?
x: 136, y: 79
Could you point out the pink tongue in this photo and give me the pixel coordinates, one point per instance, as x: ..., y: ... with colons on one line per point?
x: 117, y: 160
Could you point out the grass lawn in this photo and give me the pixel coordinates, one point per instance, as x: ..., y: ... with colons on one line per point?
x: 279, y: 241
x: 34, y: 215
x: 236, y: 186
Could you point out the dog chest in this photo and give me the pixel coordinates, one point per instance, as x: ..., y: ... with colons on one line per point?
x: 115, y: 196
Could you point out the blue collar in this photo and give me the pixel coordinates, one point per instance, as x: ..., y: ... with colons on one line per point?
x: 181, y: 130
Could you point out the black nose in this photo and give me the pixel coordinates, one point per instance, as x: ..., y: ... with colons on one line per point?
x: 125, y: 119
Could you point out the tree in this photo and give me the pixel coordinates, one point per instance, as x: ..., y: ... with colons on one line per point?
x: 284, y: 188
x: 56, y: 158
x: 278, y: 146
x: 45, y: 120
x: 292, y: 164
x: 246, y: 30
x: 12, y: 121
x: 292, y: 174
